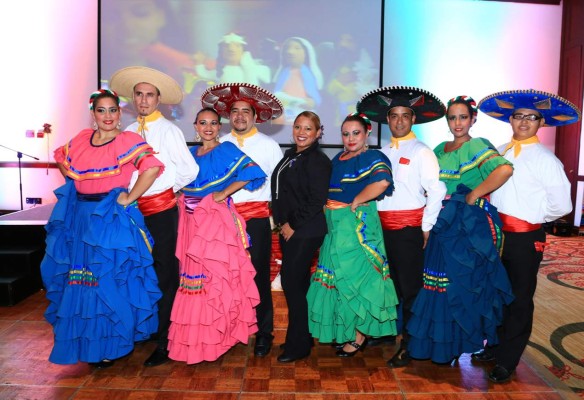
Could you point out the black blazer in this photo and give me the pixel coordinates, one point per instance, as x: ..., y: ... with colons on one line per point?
x: 300, y: 184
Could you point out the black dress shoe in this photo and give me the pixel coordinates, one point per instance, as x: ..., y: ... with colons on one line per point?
x: 158, y: 357
x: 285, y: 358
x: 399, y: 359
x: 376, y: 341
x: 500, y: 374
x: 453, y: 360
x: 483, y: 355
x: 358, y: 347
x: 102, y: 364
x: 263, y: 345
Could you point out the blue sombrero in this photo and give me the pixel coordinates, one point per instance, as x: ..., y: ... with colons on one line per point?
x: 377, y: 103
x: 555, y: 110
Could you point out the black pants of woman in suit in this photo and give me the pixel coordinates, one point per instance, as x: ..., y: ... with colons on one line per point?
x: 297, y: 256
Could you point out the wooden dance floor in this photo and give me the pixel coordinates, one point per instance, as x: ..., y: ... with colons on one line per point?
x: 552, y: 368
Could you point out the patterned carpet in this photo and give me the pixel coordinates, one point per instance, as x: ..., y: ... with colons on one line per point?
x: 557, y: 341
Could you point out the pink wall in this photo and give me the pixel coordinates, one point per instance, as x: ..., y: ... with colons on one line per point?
x: 52, y: 70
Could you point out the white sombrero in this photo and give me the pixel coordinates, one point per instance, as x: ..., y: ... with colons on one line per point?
x: 124, y: 80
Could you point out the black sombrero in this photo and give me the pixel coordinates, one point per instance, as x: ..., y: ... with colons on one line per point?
x: 377, y: 103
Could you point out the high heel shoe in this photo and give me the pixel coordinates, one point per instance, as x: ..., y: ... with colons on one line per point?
x: 357, y: 346
x: 400, y: 359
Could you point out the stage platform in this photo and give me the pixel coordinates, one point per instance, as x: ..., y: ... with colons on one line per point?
x: 22, y: 247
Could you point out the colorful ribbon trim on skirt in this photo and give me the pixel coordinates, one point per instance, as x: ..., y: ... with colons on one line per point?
x: 253, y: 209
x: 399, y: 219
x: 157, y: 203
x: 495, y: 223
x: 512, y: 224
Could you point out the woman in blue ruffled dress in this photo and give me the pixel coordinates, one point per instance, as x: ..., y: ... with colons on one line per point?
x: 98, y: 273
x: 465, y: 283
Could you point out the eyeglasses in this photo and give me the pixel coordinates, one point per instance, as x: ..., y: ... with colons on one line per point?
x: 529, y: 117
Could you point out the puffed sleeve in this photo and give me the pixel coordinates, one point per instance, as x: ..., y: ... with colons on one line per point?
x: 487, y: 156
x: 131, y: 148
x: 247, y: 169
x: 59, y: 155
x: 379, y: 170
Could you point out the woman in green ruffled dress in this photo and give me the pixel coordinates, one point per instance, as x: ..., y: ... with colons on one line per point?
x: 351, y: 295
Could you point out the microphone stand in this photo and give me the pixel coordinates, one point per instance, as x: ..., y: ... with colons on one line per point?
x: 19, y: 154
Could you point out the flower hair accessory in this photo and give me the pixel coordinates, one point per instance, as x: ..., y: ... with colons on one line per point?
x: 364, y: 118
x: 464, y: 99
x: 99, y: 92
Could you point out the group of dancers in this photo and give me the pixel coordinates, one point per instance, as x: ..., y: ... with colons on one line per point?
x: 152, y: 240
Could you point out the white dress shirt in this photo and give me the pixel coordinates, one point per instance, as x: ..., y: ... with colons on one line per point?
x: 265, y: 152
x: 538, y: 191
x: 170, y: 147
x: 416, y: 179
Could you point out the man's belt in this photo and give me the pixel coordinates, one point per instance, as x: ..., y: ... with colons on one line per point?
x: 399, y: 219
x: 253, y: 209
x: 157, y: 203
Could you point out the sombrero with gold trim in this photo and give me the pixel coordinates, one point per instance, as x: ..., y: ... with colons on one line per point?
x: 220, y: 97
x: 124, y: 80
x: 555, y: 110
x: 377, y: 103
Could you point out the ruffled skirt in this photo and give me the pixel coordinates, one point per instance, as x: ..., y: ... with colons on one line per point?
x: 214, y: 308
x: 465, y: 283
x: 100, y: 282
x: 351, y: 289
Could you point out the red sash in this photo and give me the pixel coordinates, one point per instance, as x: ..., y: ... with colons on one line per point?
x: 399, y: 219
x: 157, y: 203
x: 335, y: 205
x: 253, y: 209
x: 512, y: 224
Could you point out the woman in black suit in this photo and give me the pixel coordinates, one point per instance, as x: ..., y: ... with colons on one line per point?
x: 300, y: 184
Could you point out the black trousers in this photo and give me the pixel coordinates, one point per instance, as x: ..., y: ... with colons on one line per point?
x: 163, y: 227
x: 297, y: 255
x: 406, y: 267
x: 521, y: 260
x: 260, y: 234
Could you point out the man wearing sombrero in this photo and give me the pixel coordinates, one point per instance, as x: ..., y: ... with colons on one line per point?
x: 245, y: 105
x: 148, y: 88
x: 407, y: 217
x: 538, y: 192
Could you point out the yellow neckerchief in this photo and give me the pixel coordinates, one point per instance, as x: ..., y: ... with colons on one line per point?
x: 517, y: 144
x: 142, y: 128
x: 241, y: 138
x: 395, y: 141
